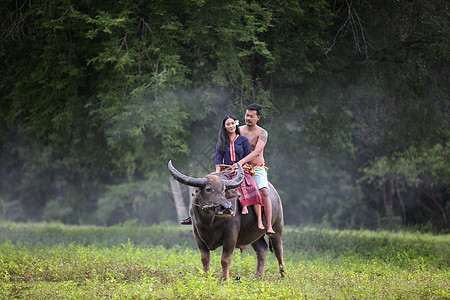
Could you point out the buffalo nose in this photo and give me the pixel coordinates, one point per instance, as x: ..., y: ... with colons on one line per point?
x: 226, y: 205
x: 224, y: 208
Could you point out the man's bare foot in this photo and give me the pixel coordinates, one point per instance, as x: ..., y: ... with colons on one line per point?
x: 261, y: 226
x: 270, y: 231
x: 244, y: 210
x: 187, y: 221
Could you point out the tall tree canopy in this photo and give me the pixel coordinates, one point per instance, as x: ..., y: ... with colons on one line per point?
x: 97, y: 96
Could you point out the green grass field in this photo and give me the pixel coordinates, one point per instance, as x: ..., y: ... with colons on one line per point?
x: 53, y: 261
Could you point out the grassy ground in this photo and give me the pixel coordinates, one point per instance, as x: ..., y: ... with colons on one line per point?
x: 52, y: 261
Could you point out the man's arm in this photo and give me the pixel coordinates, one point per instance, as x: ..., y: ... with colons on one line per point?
x: 262, y: 141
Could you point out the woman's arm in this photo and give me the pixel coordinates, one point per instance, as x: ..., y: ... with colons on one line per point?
x: 219, y: 159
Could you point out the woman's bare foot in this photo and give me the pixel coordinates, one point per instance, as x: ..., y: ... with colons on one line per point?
x: 261, y: 225
x: 244, y: 210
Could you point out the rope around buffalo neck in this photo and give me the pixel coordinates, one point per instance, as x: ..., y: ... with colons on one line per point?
x: 227, y: 170
x: 206, y: 206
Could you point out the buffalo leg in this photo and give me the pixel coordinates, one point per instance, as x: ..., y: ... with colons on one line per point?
x: 204, y: 252
x: 205, y: 258
x: 226, y: 260
x: 260, y: 247
x: 277, y: 246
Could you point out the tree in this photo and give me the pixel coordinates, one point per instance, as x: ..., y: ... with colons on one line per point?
x: 97, y: 96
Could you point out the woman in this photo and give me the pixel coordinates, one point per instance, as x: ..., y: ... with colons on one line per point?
x: 232, y: 147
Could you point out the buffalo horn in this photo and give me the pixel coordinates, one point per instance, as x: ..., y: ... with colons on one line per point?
x: 237, y: 180
x: 191, y: 181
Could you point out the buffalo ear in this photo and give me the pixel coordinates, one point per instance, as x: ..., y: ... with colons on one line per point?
x: 195, y: 192
x: 230, y: 194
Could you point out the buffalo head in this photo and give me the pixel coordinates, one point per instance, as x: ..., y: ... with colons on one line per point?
x: 210, y: 192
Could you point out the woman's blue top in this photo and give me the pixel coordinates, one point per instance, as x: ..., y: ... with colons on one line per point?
x: 241, y: 147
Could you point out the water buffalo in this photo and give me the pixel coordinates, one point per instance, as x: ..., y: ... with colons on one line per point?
x: 217, y: 220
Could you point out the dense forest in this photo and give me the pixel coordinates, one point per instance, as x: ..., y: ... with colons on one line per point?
x: 97, y: 96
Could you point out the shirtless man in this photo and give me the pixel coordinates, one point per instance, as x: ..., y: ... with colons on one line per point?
x: 258, y: 139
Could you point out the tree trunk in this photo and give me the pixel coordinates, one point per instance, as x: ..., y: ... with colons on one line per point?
x: 402, y: 204
x: 388, y: 197
x: 178, y: 199
x: 436, y: 202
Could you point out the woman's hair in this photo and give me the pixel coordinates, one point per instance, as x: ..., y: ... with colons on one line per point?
x: 224, y: 139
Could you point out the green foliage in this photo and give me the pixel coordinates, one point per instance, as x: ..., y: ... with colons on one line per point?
x: 138, y: 200
x: 319, y: 262
x: 96, y: 97
x: 53, y: 234
x: 427, y: 170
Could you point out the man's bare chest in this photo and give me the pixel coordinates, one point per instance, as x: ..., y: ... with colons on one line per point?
x: 252, y: 137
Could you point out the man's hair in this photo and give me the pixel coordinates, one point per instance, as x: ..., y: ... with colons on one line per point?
x: 255, y: 106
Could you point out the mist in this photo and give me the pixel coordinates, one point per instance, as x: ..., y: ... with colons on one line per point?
x: 357, y: 113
